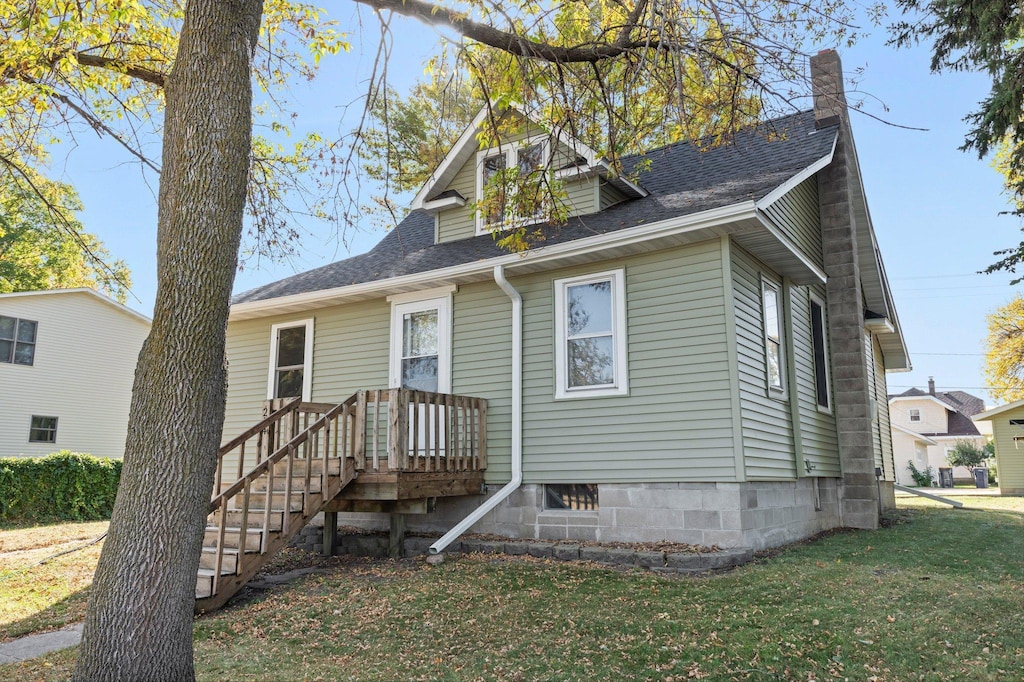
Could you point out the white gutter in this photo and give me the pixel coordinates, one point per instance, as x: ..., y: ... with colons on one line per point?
x: 517, y: 419
x: 679, y: 225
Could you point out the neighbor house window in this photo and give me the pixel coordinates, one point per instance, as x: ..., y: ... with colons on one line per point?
x: 17, y: 340
x: 773, y: 336
x: 915, y: 415
x: 527, y: 158
x: 819, y: 347
x: 571, y: 496
x: 43, y: 430
x: 590, y: 336
x: 291, y: 358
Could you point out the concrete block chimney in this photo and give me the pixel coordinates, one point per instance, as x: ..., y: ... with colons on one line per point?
x: 931, y: 385
x: 859, y: 491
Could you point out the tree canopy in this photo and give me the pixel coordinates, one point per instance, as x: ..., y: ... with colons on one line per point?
x: 35, y: 254
x: 1004, y: 355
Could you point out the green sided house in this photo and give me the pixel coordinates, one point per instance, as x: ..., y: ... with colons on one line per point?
x: 1008, y: 436
x: 697, y: 355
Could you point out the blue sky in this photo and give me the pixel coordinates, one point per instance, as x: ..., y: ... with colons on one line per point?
x: 935, y: 209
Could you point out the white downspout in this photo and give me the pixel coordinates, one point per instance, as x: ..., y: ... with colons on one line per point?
x: 517, y: 419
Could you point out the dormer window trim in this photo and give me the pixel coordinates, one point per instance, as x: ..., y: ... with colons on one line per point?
x: 510, y: 151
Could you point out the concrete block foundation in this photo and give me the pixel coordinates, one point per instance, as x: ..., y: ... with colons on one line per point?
x: 753, y: 515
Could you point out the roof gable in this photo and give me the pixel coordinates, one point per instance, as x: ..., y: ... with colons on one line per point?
x: 466, y: 147
x: 81, y: 291
x: 687, y: 184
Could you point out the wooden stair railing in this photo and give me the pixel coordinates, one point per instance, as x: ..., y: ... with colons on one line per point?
x: 298, y: 458
x: 256, y: 516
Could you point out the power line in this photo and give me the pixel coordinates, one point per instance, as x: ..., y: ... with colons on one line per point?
x: 952, y: 354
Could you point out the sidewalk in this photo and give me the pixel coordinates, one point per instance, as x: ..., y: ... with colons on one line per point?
x: 36, y: 645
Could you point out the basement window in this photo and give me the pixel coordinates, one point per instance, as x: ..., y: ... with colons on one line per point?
x: 571, y: 497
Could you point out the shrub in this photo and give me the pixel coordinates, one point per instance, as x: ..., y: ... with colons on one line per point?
x: 966, y: 454
x: 922, y: 479
x: 64, y: 486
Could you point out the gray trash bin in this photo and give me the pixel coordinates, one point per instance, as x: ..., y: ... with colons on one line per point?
x: 981, y: 477
x: 945, y: 477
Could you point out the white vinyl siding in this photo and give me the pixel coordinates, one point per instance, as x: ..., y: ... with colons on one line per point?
x: 82, y: 373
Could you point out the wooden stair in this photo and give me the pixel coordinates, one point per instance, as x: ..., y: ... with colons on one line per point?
x: 307, y: 466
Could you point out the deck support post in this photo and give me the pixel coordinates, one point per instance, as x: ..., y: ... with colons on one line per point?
x: 330, y: 534
x: 396, y: 539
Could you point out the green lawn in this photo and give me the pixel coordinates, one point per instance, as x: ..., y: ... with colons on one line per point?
x: 939, y: 595
x: 34, y: 596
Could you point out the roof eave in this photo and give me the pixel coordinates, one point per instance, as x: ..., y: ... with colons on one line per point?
x: 733, y: 219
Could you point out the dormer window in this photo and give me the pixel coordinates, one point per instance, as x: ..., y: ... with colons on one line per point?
x: 501, y: 171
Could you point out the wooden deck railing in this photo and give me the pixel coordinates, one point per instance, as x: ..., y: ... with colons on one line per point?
x: 272, y: 464
x: 417, y: 431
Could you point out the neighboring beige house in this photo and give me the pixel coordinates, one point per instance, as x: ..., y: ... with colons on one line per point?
x: 927, y: 425
x: 67, y: 361
x: 1007, y: 425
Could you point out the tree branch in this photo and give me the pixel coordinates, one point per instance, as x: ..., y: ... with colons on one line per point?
x: 506, y: 41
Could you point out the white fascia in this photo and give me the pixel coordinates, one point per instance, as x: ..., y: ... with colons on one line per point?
x: 715, y: 217
x: 451, y: 163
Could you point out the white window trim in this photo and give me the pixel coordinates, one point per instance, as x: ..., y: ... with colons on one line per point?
x: 779, y: 392
x: 509, y: 149
x: 910, y: 415
x: 620, y: 386
x: 307, y: 358
x: 824, y: 342
x: 399, y: 308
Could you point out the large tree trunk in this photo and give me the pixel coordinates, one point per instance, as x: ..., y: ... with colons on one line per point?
x: 139, y: 622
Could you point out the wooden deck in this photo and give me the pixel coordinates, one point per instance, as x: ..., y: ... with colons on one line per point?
x: 391, y: 450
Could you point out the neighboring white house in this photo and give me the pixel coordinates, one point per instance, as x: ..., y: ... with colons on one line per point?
x: 67, y: 361
x: 926, y: 427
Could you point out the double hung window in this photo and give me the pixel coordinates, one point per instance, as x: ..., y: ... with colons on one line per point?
x: 590, y: 336
x: 291, y: 357
x: 17, y: 340
x: 498, y: 191
x: 819, y: 346
x: 773, y: 348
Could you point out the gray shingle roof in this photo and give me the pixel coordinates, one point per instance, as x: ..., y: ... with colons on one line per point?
x: 962, y: 406
x: 683, y: 179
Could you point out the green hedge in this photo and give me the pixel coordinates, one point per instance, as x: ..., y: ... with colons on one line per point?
x: 64, y: 486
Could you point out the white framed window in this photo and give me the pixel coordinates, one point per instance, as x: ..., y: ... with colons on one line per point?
x: 529, y: 156
x: 17, y: 340
x: 421, y: 345
x: 42, y: 430
x: 590, y: 336
x: 291, y: 360
x: 915, y: 415
x: 819, y: 349
x: 773, y: 339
